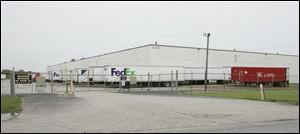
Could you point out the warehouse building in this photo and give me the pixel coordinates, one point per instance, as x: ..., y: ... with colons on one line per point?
x: 157, y: 59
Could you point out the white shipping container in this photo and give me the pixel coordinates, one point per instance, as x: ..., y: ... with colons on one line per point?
x: 97, y: 73
x: 80, y: 75
x: 198, y: 73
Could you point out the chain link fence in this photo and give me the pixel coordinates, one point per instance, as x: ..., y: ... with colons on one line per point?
x: 28, y: 88
x: 168, y: 82
x: 172, y: 82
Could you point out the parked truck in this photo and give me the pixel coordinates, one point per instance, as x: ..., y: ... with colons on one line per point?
x: 247, y: 75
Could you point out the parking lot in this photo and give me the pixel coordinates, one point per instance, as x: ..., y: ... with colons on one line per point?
x: 107, y: 110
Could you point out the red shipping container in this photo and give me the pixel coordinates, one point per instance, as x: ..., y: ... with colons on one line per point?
x: 258, y: 74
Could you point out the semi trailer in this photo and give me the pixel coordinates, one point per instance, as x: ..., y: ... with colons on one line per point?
x: 247, y: 75
x: 143, y: 74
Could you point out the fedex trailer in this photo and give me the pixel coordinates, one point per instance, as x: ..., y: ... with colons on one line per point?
x: 56, y: 75
x: 80, y: 75
x: 158, y: 73
x: 143, y: 74
x: 96, y: 74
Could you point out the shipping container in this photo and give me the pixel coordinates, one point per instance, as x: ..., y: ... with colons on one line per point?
x: 96, y: 74
x: 276, y: 75
x: 79, y: 75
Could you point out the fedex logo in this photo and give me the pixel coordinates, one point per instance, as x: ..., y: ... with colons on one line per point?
x: 56, y: 74
x: 125, y: 72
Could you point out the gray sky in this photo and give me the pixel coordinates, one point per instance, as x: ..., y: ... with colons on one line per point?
x: 37, y: 34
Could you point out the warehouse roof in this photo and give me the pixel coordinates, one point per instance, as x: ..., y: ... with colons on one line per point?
x: 177, y: 47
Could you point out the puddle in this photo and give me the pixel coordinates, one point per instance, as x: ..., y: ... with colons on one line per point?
x: 8, y: 116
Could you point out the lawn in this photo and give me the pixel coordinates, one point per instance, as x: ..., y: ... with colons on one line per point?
x: 11, y: 104
x: 287, y: 95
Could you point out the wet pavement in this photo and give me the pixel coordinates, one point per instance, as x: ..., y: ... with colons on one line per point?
x: 103, y: 111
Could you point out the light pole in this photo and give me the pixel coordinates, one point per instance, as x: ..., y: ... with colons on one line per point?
x: 205, y: 82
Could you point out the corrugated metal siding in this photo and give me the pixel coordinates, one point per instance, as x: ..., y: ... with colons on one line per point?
x: 163, y: 55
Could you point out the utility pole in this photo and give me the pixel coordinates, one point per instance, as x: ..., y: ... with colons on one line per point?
x: 205, y: 82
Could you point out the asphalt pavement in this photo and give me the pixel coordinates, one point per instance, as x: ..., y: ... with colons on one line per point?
x: 102, y: 111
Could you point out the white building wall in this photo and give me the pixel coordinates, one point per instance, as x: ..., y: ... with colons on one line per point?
x: 175, y: 56
x: 160, y: 55
x: 193, y: 57
x: 138, y: 56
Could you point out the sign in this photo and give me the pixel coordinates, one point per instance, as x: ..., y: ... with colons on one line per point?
x: 23, y: 79
x: 56, y: 74
x: 262, y: 74
x: 126, y: 72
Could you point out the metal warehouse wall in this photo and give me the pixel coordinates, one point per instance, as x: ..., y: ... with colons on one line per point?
x: 193, y: 57
x: 162, y: 55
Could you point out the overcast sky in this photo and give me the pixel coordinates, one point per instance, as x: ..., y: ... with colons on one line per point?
x: 37, y: 34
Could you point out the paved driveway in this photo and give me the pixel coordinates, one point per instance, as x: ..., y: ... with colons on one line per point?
x: 123, y: 112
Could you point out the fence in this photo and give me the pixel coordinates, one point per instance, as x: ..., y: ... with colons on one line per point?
x: 169, y: 82
x: 9, y: 87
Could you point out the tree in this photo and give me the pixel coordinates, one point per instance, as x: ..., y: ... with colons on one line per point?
x: 7, y: 72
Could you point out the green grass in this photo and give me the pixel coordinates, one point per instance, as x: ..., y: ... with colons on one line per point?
x: 10, y: 104
x: 286, y: 95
